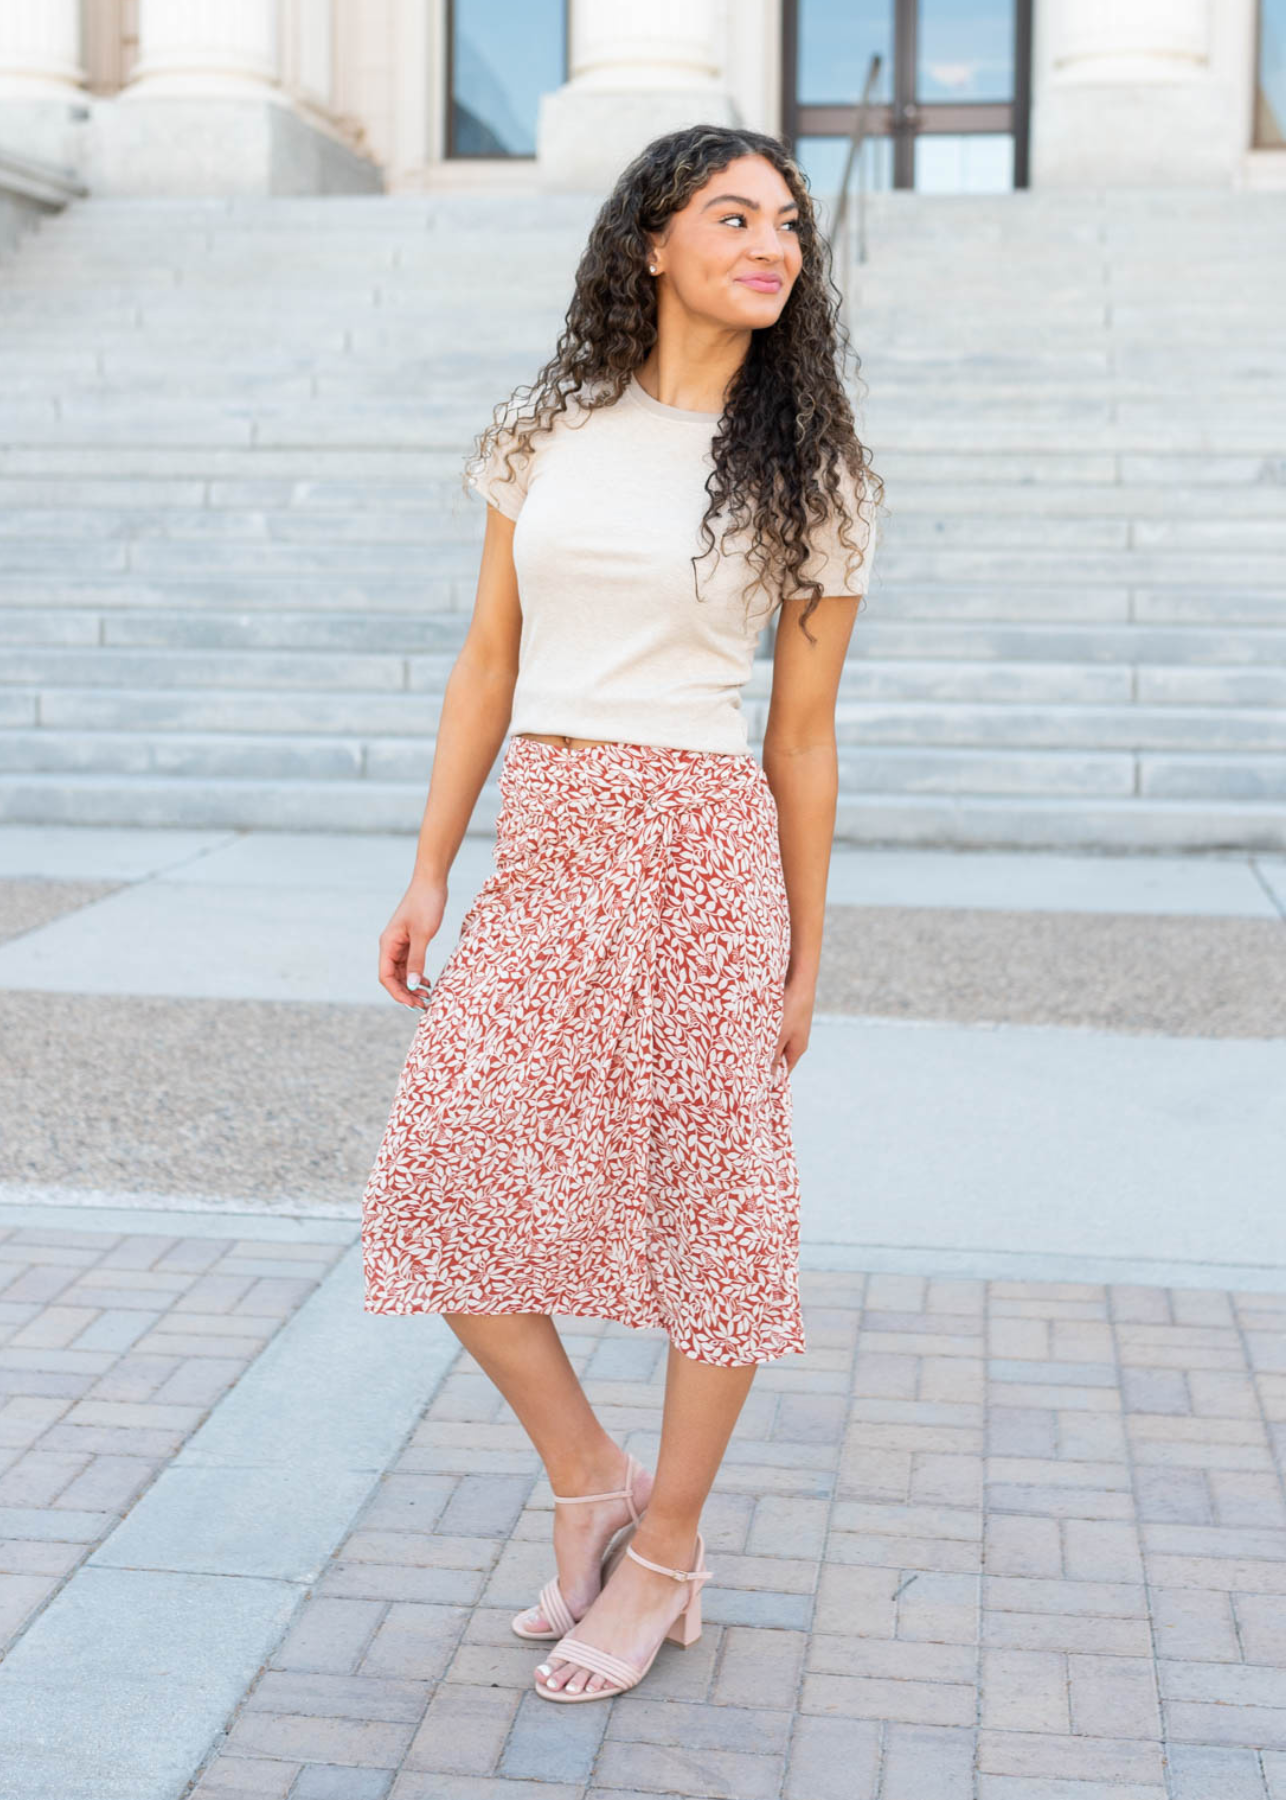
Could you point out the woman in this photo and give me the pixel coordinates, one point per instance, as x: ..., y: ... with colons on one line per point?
x: 594, y: 1117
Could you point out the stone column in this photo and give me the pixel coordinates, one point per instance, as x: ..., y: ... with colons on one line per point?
x: 205, y: 47
x: 225, y: 99
x: 44, y: 104
x: 40, y: 50
x: 1134, y: 92
x: 637, y: 70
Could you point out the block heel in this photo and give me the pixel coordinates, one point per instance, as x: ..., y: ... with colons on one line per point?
x: 686, y: 1629
x: 616, y: 1671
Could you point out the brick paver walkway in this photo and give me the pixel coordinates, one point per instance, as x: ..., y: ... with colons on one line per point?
x: 984, y: 1541
x: 113, y: 1349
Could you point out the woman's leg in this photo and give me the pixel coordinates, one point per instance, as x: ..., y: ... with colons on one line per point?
x: 702, y: 1404
x: 524, y: 1356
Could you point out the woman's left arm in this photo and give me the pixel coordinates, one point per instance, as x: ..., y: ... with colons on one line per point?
x: 801, y: 762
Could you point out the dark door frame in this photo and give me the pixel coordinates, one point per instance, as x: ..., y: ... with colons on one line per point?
x: 904, y: 117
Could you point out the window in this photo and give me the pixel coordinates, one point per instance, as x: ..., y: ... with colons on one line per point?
x: 502, y: 55
x: 1270, y: 76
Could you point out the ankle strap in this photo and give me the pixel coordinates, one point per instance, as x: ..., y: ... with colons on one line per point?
x: 678, y: 1574
x: 625, y: 1493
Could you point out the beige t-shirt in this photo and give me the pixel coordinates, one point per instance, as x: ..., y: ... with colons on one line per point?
x: 615, y: 642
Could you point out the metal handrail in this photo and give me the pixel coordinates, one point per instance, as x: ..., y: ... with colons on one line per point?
x: 856, y: 143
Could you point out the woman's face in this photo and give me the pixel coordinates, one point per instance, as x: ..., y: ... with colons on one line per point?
x: 732, y: 254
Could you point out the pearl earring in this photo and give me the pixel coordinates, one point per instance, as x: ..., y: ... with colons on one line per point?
x: 652, y: 269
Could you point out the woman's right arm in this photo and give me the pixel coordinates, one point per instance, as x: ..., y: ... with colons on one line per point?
x: 476, y: 710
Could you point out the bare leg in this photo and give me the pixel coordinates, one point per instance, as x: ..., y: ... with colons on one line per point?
x: 524, y: 1356
x: 637, y: 1605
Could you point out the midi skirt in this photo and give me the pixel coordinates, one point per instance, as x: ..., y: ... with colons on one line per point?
x: 592, y: 1119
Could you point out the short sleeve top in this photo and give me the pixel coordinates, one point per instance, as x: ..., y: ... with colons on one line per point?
x: 620, y: 637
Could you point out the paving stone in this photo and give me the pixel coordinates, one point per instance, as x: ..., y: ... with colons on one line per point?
x: 1023, y: 1594
x: 1066, y: 1631
x: 245, y: 1775
x: 699, y: 1727
x: 1022, y: 1431
x: 339, y: 1696
x: 555, y: 1743
x: 945, y: 1479
x: 857, y: 1602
x: 873, y: 1697
x: 1101, y: 1550
x: 707, y: 1774
x: 306, y: 1738
x: 1052, y: 1755
x: 1016, y: 1545
x: 902, y: 1660
x: 412, y: 1640
x: 1224, y: 1684
x: 787, y: 1529
x: 1113, y: 1696
x: 940, y: 1609
x: 1257, y: 1727
x: 318, y: 1783
x: 835, y: 1759
x: 1024, y: 1690
x: 761, y: 1668
x: 1175, y: 1495
x: 464, y: 1728
x: 1198, y: 1772
x: 876, y: 1596
x: 922, y: 1760
x: 329, y: 1636
x: 1156, y: 1390
x: 1262, y: 1625
x: 1246, y: 1497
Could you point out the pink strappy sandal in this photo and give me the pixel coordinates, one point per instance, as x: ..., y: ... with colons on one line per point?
x: 685, y: 1630
x: 551, y: 1603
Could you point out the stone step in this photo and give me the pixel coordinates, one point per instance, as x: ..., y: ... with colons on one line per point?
x: 1010, y: 624
x: 439, y: 522
x: 239, y: 734
x: 983, y: 503
x: 81, y: 667
x: 880, y: 766
x: 214, y: 515
x: 1138, y: 823
x: 417, y: 425
x: 908, y: 469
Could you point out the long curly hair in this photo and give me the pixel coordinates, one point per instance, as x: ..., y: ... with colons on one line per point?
x: 786, y: 454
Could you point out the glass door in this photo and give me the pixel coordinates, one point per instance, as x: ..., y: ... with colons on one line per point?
x: 949, y: 109
x: 1270, y: 76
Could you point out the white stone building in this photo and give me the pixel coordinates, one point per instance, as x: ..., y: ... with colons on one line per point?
x: 160, y: 97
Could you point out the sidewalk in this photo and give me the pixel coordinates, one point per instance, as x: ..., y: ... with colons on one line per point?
x: 1013, y: 1528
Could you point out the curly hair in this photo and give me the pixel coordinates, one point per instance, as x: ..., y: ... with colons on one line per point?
x: 786, y: 452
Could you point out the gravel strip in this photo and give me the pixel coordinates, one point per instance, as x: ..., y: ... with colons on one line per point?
x: 1173, y: 976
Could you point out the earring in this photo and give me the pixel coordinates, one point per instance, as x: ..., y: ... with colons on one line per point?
x: 652, y: 269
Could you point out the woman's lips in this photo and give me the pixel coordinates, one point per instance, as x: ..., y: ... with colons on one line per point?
x: 762, y: 284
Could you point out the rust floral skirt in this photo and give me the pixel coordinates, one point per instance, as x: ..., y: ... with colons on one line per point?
x: 592, y: 1119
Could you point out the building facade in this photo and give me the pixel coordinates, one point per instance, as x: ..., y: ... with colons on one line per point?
x: 299, y: 96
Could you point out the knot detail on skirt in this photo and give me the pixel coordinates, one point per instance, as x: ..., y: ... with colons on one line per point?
x: 592, y: 1119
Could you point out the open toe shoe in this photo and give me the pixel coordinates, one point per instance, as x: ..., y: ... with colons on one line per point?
x: 620, y: 1674
x: 551, y: 1604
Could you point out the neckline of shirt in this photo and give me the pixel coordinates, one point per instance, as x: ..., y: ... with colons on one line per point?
x: 683, y: 414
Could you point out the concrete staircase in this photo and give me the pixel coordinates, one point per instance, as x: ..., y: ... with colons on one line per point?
x: 236, y: 557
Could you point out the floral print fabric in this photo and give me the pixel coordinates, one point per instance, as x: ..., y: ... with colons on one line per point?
x: 591, y: 1119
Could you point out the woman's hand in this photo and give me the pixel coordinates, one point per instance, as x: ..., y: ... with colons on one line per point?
x: 796, y: 1020
x: 405, y: 939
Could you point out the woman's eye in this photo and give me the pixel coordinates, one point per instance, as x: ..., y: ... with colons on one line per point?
x: 793, y: 223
